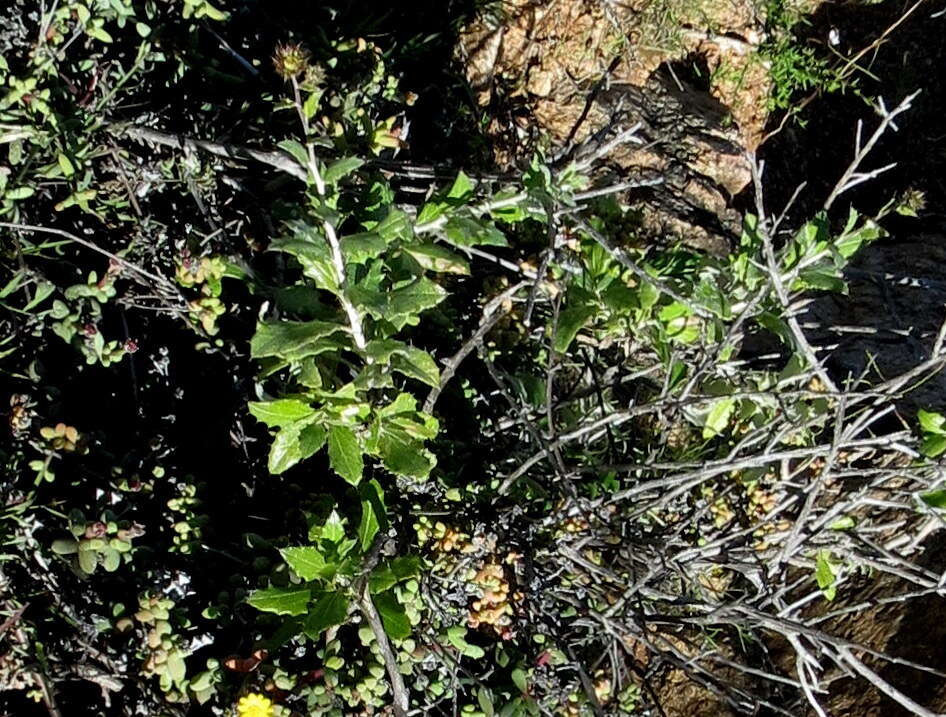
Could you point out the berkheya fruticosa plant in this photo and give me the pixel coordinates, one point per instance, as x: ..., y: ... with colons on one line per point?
x: 341, y: 382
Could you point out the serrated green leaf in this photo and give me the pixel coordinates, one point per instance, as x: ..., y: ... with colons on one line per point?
x: 294, y: 340
x: 393, y: 617
x: 510, y: 213
x: 413, y: 299
x: 395, y: 225
x: 402, y: 306
x: 311, y: 440
x: 344, y: 452
x: 465, y: 231
x: 824, y: 575
x: 65, y: 164
x: 390, y: 573
x: 430, y: 212
x: 717, y: 420
x: 850, y: 242
x: 434, y: 257
x: 397, y: 436
x: 369, y: 525
x: 382, y: 578
x: 309, y: 246
x: 306, y: 561
x: 405, y: 567
x: 280, y: 412
x: 329, y: 609
x: 932, y: 422
x: 340, y: 169
x: 403, y: 455
x: 281, y: 601
x: 359, y: 248
x: 933, y: 446
x: 417, y: 364
x: 333, y: 530
x: 296, y: 150
x: 285, y: 451
x: 935, y: 499
x: 462, y: 188
x: 570, y: 322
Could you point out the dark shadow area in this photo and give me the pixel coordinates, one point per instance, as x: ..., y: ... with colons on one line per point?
x: 417, y: 40
x: 909, y: 59
x: 888, y: 321
x: 183, y: 410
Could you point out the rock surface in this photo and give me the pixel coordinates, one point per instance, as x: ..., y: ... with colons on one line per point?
x: 578, y: 66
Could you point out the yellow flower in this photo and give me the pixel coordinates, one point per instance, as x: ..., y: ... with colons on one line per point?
x: 254, y: 705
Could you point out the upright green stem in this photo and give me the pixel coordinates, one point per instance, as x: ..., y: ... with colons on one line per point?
x: 331, y: 235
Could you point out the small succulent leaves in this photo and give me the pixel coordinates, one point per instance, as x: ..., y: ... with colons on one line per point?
x: 456, y: 635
